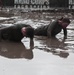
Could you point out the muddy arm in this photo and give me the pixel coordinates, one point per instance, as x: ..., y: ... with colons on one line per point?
x: 65, y: 33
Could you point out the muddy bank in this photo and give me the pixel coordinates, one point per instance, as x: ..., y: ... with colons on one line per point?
x: 38, y: 13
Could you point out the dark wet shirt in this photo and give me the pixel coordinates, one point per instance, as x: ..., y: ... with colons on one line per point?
x: 41, y: 31
x: 50, y: 30
x: 13, y: 33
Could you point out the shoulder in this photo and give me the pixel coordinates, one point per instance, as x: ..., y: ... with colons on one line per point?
x: 53, y: 23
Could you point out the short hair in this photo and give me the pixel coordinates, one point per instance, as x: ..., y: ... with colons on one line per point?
x: 30, y: 32
x: 66, y: 20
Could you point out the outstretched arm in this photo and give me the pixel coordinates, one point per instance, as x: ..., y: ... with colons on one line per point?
x: 65, y: 33
x: 31, y: 44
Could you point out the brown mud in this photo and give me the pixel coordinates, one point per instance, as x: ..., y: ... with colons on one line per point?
x: 47, y: 56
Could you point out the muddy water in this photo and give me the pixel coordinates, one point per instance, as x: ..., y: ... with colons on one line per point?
x: 44, y: 56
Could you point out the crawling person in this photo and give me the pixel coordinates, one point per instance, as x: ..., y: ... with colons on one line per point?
x: 16, y: 32
x: 53, y: 28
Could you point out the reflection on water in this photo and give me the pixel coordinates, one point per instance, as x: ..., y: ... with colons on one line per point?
x: 53, y: 45
x: 15, y: 50
x: 18, y: 50
x: 47, y: 54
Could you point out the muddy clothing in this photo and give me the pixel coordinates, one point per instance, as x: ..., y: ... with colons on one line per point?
x: 12, y: 33
x: 50, y: 30
x: 41, y: 31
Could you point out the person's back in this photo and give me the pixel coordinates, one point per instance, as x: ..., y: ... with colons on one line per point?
x: 53, y: 28
x: 41, y: 31
x: 14, y: 33
x: 44, y: 30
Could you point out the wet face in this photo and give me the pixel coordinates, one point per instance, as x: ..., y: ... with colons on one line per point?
x: 65, y: 24
x: 23, y: 30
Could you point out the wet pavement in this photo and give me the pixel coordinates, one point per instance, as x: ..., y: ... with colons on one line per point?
x: 45, y: 56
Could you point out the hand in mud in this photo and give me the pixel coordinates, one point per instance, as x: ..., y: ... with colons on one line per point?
x: 65, y: 37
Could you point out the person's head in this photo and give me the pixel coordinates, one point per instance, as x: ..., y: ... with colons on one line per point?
x: 28, y: 32
x: 65, y: 22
